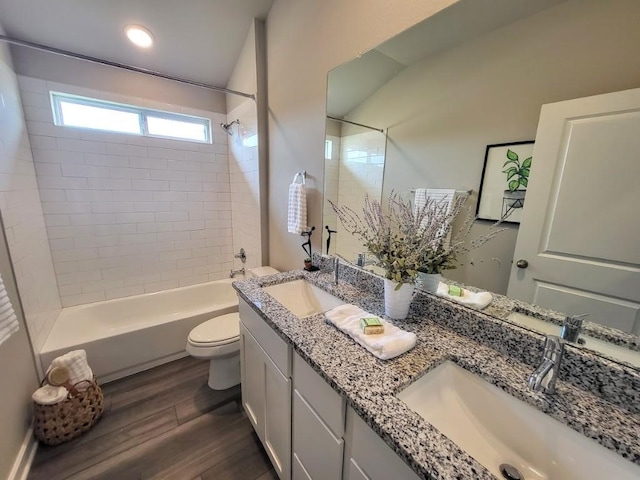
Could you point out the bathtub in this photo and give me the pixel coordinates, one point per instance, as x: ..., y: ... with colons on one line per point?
x: 128, y: 335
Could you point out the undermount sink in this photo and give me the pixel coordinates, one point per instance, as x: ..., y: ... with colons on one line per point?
x: 302, y: 298
x: 606, y: 348
x: 496, y: 428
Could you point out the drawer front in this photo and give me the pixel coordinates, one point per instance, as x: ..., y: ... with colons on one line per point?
x: 374, y: 458
x: 299, y: 473
x: 278, y: 350
x: 329, y: 405
x: 317, y: 449
x: 354, y: 471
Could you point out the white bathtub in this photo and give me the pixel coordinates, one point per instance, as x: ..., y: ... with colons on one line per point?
x: 128, y: 335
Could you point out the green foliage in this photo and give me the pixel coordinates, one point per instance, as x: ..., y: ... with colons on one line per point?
x: 517, y: 173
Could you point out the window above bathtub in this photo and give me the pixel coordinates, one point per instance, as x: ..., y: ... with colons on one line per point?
x: 83, y: 112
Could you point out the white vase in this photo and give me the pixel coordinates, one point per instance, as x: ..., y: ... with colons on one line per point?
x: 430, y: 281
x: 397, y: 302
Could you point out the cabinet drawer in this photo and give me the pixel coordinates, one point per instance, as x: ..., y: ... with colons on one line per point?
x: 274, y: 346
x: 330, y: 406
x: 354, y: 471
x: 375, y: 459
x: 317, y: 449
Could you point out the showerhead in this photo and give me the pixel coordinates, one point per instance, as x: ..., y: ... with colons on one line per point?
x: 227, y: 126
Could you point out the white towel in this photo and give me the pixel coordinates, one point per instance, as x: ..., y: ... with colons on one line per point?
x: 297, y: 220
x: 8, y: 320
x: 48, y: 395
x: 76, y: 363
x: 477, y: 300
x: 393, y: 342
x: 443, y: 196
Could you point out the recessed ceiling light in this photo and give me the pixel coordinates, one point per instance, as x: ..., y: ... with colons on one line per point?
x: 139, y: 35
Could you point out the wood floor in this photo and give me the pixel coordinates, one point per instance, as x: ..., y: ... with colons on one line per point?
x: 165, y: 423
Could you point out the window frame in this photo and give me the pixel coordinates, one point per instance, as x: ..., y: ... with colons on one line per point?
x: 143, y: 113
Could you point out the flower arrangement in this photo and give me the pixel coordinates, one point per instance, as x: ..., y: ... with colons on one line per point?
x: 406, y: 240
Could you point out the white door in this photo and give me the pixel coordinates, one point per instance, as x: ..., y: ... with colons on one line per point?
x: 580, y: 229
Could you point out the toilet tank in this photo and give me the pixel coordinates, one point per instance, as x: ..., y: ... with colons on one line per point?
x: 261, y: 272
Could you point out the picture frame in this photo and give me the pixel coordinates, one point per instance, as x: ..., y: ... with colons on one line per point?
x: 505, y: 177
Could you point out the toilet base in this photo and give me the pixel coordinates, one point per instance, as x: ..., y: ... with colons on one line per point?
x: 224, y: 372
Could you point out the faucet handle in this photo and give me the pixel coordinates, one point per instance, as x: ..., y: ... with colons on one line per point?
x: 571, y: 327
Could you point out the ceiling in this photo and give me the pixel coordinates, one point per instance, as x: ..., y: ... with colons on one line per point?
x: 198, y: 40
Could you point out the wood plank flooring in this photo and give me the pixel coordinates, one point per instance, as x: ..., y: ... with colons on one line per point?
x: 165, y: 423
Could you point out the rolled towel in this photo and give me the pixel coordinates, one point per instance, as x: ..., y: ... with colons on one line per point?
x: 393, y: 342
x: 48, y: 395
x: 76, y: 364
x: 477, y: 300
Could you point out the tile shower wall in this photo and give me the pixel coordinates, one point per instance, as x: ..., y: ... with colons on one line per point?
x: 245, y: 186
x: 331, y: 185
x: 360, y: 173
x: 22, y: 213
x: 125, y: 214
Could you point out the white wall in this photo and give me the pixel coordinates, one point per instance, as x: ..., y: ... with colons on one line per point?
x: 443, y: 111
x: 305, y: 39
x: 19, y: 204
x: 125, y: 214
x: 244, y: 157
x: 22, y: 213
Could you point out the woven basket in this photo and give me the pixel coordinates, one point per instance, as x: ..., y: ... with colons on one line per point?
x: 66, y: 420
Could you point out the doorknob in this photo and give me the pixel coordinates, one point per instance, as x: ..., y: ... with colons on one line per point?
x: 522, y: 263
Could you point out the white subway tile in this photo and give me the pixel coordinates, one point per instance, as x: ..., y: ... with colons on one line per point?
x: 77, y: 277
x: 64, y: 183
x: 126, y: 150
x: 134, y: 196
x: 152, y: 206
x: 85, y: 171
x: 135, y: 217
x: 52, y: 195
x: 171, y: 216
x: 150, y: 185
x: 112, y: 207
x: 104, y: 160
x: 65, y: 207
x: 73, y: 300
x: 57, y: 220
x: 151, y: 163
x: 109, y: 184
x: 168, y: 175
x: 162, y: 285
x: 88, y: 195
x: 115, y: 229
x: 189, y: 166
x: 133, y: 173
x: 166, y: 153
x: 93, y: 219
x: 124, y: 291
x: 56, y: 156
x: 75, y: 254
x: 186, y: 186
x: 188, y: 225
x: 84, y: 146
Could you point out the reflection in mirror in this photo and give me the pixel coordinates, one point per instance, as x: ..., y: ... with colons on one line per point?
x: 354, y: 167
x: 477, y: 74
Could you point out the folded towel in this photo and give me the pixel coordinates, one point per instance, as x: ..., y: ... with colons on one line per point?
x: 76, y: 364
x: 48, y: 395
x: 297, y: 219
x: 477, y: 300
x: 390, y: 344
x: 8, y: 320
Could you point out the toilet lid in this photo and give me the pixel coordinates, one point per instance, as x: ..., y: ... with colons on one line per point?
x: 218, y: 330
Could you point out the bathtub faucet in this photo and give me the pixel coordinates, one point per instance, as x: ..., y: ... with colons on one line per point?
x: 233, y: 273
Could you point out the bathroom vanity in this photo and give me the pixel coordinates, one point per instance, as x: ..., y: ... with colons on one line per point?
x: 325, y: 408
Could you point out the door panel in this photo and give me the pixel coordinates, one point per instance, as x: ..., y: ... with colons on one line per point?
x: 277, y: 429
x: 581, y: 221
x: 253, y: 377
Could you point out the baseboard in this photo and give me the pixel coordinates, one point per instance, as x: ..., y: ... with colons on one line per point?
x: 110, y: 377
x: 25, y: 457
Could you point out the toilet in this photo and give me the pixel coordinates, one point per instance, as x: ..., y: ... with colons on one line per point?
x: 218, y: 340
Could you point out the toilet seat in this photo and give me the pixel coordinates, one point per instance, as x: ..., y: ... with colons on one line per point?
x: 217, y: 337
x: 217, y: 331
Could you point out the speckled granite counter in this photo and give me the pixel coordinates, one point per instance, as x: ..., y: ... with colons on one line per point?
x: 598, y: 398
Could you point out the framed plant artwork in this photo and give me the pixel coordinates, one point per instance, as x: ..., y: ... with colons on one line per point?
x: 505, y: 177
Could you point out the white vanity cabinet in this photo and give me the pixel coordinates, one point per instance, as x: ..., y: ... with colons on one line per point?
x: 318, y: 425
x: 367, y: 457
x: 266, y: 387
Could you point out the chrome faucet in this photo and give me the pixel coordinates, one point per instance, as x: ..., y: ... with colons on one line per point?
x: 336, y: 269
x: 571, y: 327
x: 233, y: 273
x: 544, y: 377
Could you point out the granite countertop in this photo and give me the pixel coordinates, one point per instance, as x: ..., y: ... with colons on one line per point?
x: 370, y: 385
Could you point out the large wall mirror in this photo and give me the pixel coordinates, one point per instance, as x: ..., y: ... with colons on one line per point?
x: 474, y: 75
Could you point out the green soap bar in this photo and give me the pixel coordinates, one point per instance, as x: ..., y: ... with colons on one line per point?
x: 455, y: 291
x: 370, y: 322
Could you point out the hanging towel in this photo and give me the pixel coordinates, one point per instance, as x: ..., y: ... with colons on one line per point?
x: 8, y: 320
x: 76, y: 363
x: 443, y: 196
x: 297, y: 220
x: 477, y: 300
x: 387, y: 345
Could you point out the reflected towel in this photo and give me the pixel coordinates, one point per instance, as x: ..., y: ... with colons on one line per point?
x: 393, y: 342
x: 297, y: 218
x: 477, y: 300
x: 445, y: 197
x: 76, y: 363
x: 8, y: 320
